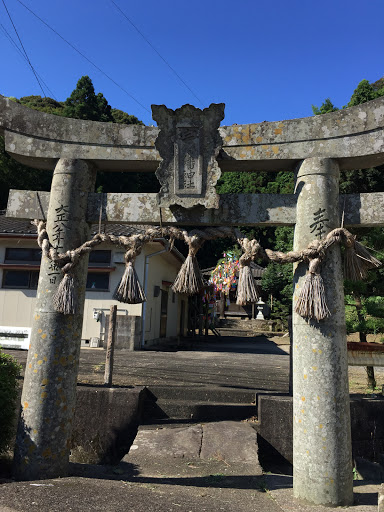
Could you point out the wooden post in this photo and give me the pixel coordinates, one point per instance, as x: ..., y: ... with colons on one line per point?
x: 201, y: 314
x: 222, y: 306
x: 110, y: 346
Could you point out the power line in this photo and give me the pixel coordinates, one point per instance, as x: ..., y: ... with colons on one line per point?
x: 26, y: 55
x: 9, y: 37
x: 154, y: 49
x: 84, y: 57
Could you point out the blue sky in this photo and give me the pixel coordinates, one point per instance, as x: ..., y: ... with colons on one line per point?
x: 264, y: 60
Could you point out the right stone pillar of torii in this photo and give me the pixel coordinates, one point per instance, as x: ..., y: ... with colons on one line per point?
x: 322, y: 454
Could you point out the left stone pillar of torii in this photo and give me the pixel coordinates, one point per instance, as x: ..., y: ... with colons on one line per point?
x: 49, y: 391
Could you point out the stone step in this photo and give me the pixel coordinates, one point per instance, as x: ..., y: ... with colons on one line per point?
x: 205, y: 394
x: 187, y: 410
x: 226, y: 331
x: 197, y: 442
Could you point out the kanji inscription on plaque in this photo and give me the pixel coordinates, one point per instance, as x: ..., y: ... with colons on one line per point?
x: 188, y: 161
x: 188, y: 143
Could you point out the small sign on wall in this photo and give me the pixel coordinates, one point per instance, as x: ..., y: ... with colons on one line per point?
x: 15, y: 337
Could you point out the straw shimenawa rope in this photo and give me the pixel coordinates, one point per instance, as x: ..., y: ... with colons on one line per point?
x: 311, y: 302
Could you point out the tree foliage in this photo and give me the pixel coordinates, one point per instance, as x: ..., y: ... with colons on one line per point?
x: 9, y: 387
x: 326, y: 107
x: 256, y: 183
x: 84, y: 103
x: 19, y: 176
x: 364, y: 92
x: 47, y: 105
x: 119, y: 116
x: 365, y: 299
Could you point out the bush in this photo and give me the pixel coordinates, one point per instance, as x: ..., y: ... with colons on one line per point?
x: 9, y: 387
x: 371, y: 320
x: 277, y: 281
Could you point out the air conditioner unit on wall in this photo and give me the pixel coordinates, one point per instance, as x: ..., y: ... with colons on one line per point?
x: 94, y: 342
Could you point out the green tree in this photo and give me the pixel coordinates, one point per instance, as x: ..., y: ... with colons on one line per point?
x: 277, y: 279
x: 119, y: 116
x: 362, y: 180
x: 364, y: 300
x: 9, y: 391
x: 84, y: 103
x: 48, y: 105
x: 326, y: 107
x: 277, y: 282
x: 19, y: 176
x: 364, y: 92
x: 281, y: 182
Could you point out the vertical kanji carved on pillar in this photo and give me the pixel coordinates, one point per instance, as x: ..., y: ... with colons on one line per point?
x: 49, y: 391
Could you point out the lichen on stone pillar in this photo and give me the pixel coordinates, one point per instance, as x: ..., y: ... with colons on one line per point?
x: 322, y: 456
x: 49, y: 390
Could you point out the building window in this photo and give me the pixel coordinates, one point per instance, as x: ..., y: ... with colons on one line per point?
x: 99, y: 258
x: 13, y: 255
x: 98, y: 281
x: 17, y: 279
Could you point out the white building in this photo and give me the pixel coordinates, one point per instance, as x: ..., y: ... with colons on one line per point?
x: 164, y: 315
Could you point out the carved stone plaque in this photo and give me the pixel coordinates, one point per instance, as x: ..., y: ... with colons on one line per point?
x: 188, y: 143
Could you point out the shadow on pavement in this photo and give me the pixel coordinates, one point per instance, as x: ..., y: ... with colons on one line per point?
x: 228, y: 344
x: 127, y: 472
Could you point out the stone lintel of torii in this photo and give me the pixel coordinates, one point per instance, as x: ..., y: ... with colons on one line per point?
x: 360, y: 210
x: 192, y: 158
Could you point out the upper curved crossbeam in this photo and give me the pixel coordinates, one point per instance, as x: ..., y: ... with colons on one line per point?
x: 354, y: 136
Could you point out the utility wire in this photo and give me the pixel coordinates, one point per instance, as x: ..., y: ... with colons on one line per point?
x: 84, y: 57
x: 26, y: 55
x: 10, y: 39
x: 154, y: 49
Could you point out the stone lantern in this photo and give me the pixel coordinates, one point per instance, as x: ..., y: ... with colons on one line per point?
x: 260, y: 306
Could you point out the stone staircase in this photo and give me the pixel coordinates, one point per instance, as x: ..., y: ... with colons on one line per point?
x: 187, y: 404
x: 236, y: 327
x: 244, y: 327
x: 182, y: 402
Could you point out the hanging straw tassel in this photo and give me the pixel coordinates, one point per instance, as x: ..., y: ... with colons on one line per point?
x: 130, y: 290
x: 311, y: 302
x: 65, y: 299
x: 357, y: 259
x: 246, y: 288
x: 189, y: 280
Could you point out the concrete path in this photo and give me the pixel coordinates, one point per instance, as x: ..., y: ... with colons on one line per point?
x: 200, y: 468
x: 241, y: 362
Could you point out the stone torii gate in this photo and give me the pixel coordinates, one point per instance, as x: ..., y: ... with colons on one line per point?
x: 316, y: 148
